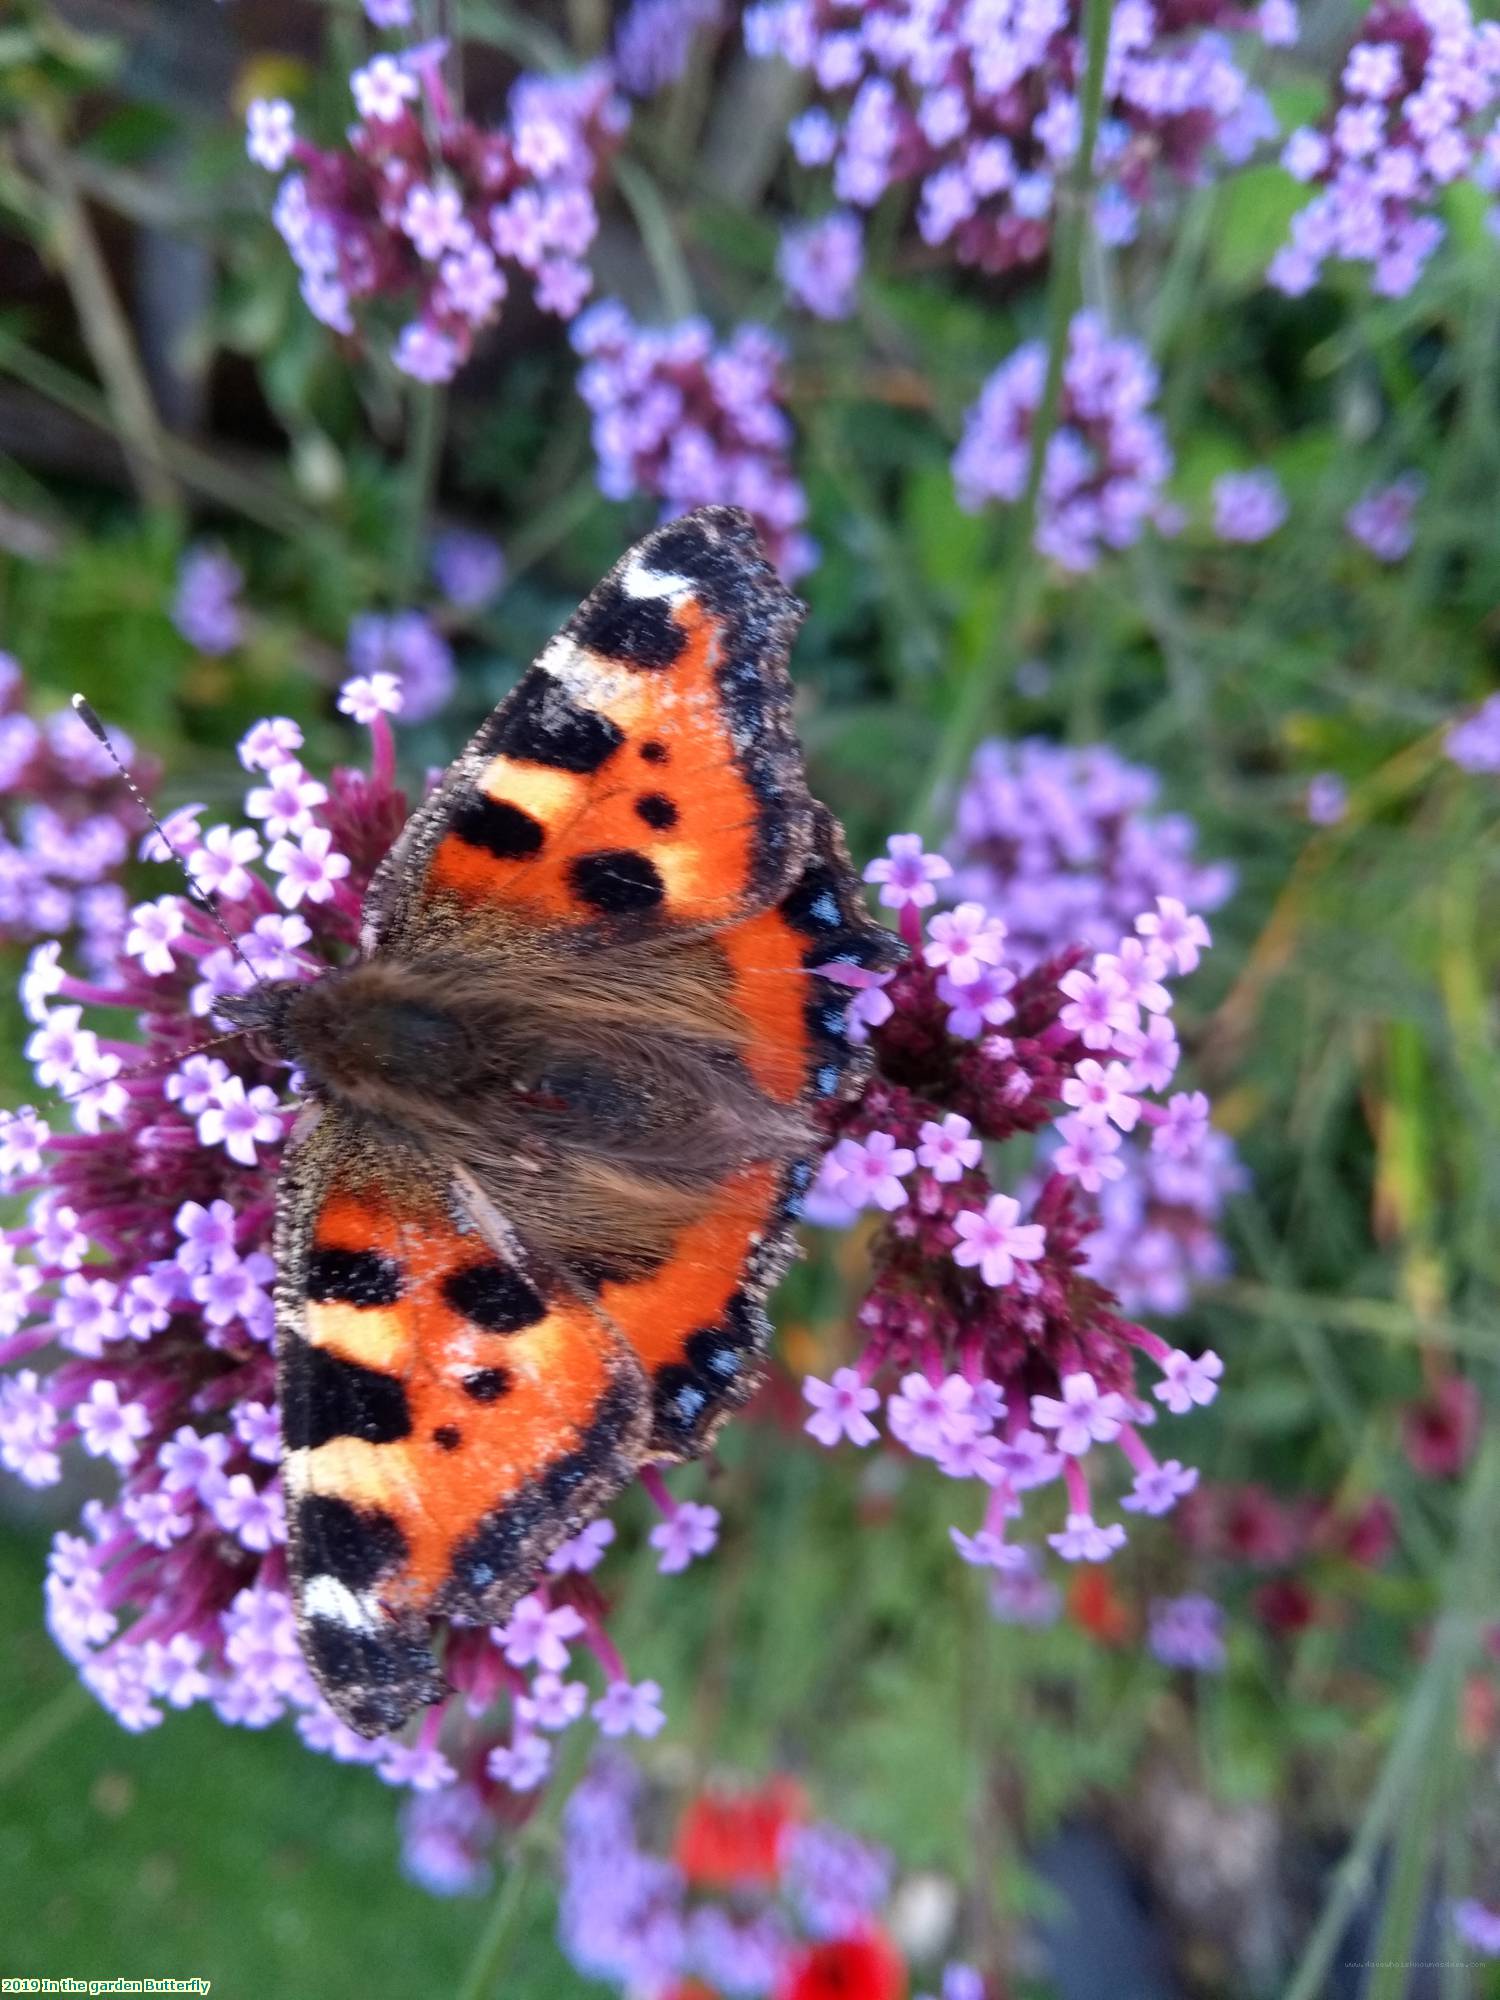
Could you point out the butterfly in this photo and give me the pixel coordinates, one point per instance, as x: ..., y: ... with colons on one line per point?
x: 561, y: 1112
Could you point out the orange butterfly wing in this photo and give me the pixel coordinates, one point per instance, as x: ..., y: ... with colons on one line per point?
x: 642, y: 779
x: 448, y: 1421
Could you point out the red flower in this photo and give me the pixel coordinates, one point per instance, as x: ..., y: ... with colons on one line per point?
x: 1440, y: 1432
x: 727, y: 1839
x: 1095, y: 1604
x: 1285, y: 1607
x: 854, y: 1968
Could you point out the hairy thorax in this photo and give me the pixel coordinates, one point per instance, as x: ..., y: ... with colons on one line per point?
x: 597, y: 1114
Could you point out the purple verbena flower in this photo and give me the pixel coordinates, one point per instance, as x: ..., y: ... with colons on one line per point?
x: 1105, y: 463
x: 1474, y: 743
x: 690, y: 423
x: 1384, y: 517
x: 975, y: 109
x: 1248, y: 506
x: 206, y: 609
x: 819, y: 263
x: 655, y: 38
x: 1187, y: 1632
x: 437, y: 215
x: 1414, y: 112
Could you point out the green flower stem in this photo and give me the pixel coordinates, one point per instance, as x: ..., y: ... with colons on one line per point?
x: 659, y: 237
x: 106, y: 330
x: 424, y: 458
x: 482, y: 1978
x: 261, y: 497
x: 41, y: 1730
x: 1024, y: 572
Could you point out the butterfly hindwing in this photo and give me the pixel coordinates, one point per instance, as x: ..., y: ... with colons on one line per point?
x: 449, y: 1417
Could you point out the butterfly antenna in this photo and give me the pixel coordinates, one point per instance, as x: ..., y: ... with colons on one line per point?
x: 195, y: 890
x: 146, y: 1068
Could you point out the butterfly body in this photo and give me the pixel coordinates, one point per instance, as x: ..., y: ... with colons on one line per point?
x: 562, y: 1110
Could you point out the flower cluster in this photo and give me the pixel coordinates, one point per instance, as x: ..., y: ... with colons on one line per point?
x: 136, y: 1316
x: 1106, y: 461
x: 1064, y: 840
x: 691, y: 423
x: 1413, y: 113
x: 66, y: 826
x: 429, y: 211
x: 1003, y: 1359
x: 755, y: 1897
x: 976, y: 107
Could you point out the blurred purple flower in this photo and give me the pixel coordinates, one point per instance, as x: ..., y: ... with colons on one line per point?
x: 1413, y: 113
x: 1384, y: 517
x: 1248, y: 506
x: 407, y: 646
x: 468, y: 568
x: 205, y: 609
x: 1187, y: 1632
x: 66, y: 825
x: 646, y: 1924
x: 1478, y: 1926
x: 1474, y: 743
x: 692, y: 423
x: 1106, y: 462
x: 1065, y: 843
x: 655, y: 38
x: 820, y: 262
x: 1328, y: 798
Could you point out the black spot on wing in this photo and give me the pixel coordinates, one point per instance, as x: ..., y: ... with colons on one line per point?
x: 352, y: 1278
x: 447, y: 1437
x: 324, y: 1396
x: 655, y: 753
x: 487, y: 1385
x: 657, y: 810
x: 617, y: 882
x: 497, y: 827
x: 637, y: 631
x: 357, y: 1545
x: 494, y: 1297
x: 542, y: 724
